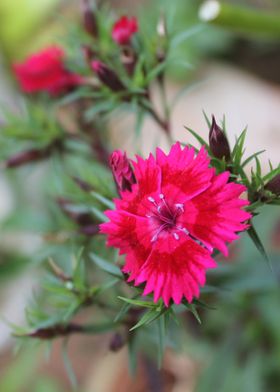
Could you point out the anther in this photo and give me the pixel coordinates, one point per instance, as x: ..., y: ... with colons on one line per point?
x: 151, y: 199
x: 180, y: 206
x: 175, y: 235
x: 161, y: 196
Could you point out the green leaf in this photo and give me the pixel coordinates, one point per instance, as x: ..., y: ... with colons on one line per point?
x: 106, y: 266
x: 155, y: 72
x: 271, y: 174
x: 198, y: 138
x: 192, y: 309
x: 251, y: 157
x: 207, y: 119
x: 99, y: 328
x: 136, y: 302
x: 149, y: 316
x: 256, y: 240
x: 68, y: 366
x: 98, y: 214
x: 238, y: 151
x: 185, y: 35
x: 106, y: 202
x: 124, y: 309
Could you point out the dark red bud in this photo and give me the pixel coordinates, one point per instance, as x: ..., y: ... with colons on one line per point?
x: 89, y: 230
x: 274, y: 185
x: 81, y: 218
x: 107, y: 76
x: 89, y: 19
x: 122, y: 171
x: 218, y: 142
x: 117, y: 342
x: 24, y: 157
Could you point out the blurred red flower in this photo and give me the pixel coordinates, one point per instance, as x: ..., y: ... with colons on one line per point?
x: 123, y: 30
x: 45, y: 71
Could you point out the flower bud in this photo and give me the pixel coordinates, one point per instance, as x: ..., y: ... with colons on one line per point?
x: 89, y: 19
x: 107, y: 76
x: 123, y: 29
x: 117, y: 342
x: 80, y: 218
x: 218, y: 142
x: 89, y: 230
x: 274, y: 185
x: 122, y: 171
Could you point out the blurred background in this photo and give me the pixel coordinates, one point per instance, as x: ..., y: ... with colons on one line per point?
x: 229, y: 72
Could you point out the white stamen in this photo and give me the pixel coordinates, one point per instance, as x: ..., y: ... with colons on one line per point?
x: 161, y: 196
x: 175, y: 235
x: 151, y: 199
x: 154, y: 238
x: 185, y: 231
x: 180, y: 206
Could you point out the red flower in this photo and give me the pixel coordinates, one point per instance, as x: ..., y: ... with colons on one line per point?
x: 45, y: 71
x: 168, y: 225
x: 123, y: 30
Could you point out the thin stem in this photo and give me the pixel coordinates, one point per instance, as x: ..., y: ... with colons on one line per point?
x: 165, y: 106
x: 161, y: 122
x: 243, y: 19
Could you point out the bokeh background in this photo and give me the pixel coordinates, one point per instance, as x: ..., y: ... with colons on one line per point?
x: 238, y: 345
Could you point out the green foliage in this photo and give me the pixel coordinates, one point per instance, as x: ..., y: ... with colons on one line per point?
x: 74, y: 188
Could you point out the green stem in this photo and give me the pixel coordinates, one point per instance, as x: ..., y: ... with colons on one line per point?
x: 243, y: 19
x: 165, y: 106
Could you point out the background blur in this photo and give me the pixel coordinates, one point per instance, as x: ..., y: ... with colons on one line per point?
x: 238, y: 345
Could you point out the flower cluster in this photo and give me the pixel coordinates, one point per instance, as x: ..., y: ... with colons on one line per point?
x: 176, y: 213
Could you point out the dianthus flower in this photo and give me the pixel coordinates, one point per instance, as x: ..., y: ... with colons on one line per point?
x: 177, y: 212
x: 45, y: 71
x: 123, y: 30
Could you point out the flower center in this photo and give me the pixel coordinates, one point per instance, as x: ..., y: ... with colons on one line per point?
x: 165, y: 217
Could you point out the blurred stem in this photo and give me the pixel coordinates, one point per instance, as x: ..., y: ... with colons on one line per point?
x: 165, y: 106
x: 243, y: 19
x: 163, y: 123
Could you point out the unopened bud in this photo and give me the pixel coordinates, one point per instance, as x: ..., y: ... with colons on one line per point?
x: 89, y: 230
x: 24, y: 157
x: 218, y: 142
x: 107, y: 76
x: 274, y: 185
x: 122, y: 171
x: 81, y: 218
x: 117, y: 342
x: 89, y: 19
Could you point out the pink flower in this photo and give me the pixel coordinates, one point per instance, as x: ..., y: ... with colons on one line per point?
x: 122, y: 171
x: 175, y: 215
x: 123, y: 30
x: 45, y: 71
